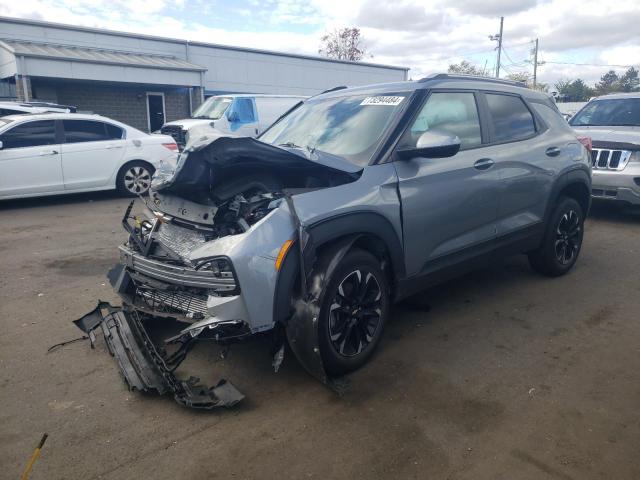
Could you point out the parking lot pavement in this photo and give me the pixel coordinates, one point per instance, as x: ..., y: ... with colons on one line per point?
x: 501, y: 374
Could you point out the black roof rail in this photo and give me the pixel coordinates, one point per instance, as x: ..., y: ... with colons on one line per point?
x: 462, y: 76
x: 341, y: 87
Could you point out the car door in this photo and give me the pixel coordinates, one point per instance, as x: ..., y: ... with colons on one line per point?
x: 449, y: 205
x: 30, y: 159
x: 523, y: 157
x: 91, y: 152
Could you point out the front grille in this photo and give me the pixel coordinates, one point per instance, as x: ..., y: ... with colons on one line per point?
x: 175, y: 274
x: 178, y: 134
x: 162, y: 301
x: 606, y: 159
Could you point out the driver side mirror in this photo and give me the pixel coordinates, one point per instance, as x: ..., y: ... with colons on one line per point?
x: 1, y: 145
x: 432, y: 144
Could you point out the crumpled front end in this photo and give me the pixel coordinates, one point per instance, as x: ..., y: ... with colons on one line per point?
x: 208, y: 253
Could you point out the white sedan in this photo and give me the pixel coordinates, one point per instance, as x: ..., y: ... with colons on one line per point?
x: 56, y: 153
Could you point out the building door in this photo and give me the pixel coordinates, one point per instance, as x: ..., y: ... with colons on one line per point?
x: 155, y: 110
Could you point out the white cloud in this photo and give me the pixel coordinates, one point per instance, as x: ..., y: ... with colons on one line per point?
x: 425, y: 36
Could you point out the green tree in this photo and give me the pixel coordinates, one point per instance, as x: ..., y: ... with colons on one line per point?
x: 574, y: 91
x: 609, y: 82
x: 467, y: 68
x: 629, y: 82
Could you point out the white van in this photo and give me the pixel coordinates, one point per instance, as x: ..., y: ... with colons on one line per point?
x: 242, y: 115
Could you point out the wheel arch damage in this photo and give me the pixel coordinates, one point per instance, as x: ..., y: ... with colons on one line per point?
x: 323, y: 247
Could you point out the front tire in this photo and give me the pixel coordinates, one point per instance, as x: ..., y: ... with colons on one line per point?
x: 134, y: 179
x: 354, y: 310
x: 562, y: 241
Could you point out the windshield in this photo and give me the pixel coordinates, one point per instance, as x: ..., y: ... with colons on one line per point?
x: 213, y: 108
x: 617, y: 112
x: 349, y: 126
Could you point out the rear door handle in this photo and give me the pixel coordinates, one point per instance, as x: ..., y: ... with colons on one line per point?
x: 552, y: 151
x: 483, y: 164
x: 113, y: 146
x: 48, y: 152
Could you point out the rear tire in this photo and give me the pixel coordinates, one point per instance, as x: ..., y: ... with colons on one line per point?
x: 134, y: 178
x: 562, y: 240
x: 354, y: 309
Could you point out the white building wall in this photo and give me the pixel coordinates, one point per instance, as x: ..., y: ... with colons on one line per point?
x: 228, y: 69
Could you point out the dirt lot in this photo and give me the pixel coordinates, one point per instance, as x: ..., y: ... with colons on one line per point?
x: 499, y: 375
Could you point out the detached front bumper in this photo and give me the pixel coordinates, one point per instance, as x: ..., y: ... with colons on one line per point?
x: 144, y: 367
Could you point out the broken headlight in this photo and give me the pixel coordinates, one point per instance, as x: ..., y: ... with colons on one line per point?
x: 219, y: 266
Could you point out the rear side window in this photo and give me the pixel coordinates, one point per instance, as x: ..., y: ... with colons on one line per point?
x: 451, y: 113
x: 76, y: 131
x: 31, y: 134
x: 512, y: 120
x: 113, y: 132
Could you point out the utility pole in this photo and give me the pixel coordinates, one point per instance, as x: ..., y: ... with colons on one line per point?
x: 535, y: 65
x: 498, y: 38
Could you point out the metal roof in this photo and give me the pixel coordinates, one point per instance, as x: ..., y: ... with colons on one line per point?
x: 196, y: 43
x: 94, y: 55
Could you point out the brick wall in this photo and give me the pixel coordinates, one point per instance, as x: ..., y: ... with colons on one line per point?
x: 119, y: 102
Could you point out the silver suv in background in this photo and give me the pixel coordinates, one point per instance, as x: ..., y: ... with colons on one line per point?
x: 613, y: 123
x: 354, y: 200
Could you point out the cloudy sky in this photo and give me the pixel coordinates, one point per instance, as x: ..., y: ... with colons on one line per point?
x: 424, y: 35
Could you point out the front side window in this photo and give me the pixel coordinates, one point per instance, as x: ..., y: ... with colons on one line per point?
x: 512, y: 120
x: 348, y: 126
x: 77, y: 131
x: 242, y: 110
x: 453, y: 113
x: 213, y: 108
x: 619, y: 112
x: 31, y: 134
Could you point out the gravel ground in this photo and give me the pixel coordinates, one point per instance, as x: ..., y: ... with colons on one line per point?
x: 501, y: 374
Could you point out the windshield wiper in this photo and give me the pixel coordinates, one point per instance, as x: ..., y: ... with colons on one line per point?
x: 289, y: 145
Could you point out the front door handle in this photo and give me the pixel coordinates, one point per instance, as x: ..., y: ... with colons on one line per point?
x: 48, y: 152
x: 483, y: 164
x: 552, y: 151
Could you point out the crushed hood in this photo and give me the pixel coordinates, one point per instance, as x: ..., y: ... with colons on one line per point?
x: 207, y: 164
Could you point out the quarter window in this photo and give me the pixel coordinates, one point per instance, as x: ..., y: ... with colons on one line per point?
x: 31, y: 134
x: 512, y: 120
x: 451, y: 113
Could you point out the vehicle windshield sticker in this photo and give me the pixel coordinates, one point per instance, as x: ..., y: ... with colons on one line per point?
x: 393, y: 101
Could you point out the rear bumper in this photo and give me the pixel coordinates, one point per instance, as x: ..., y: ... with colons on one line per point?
x: 147, y: 370
x: 623, y: 186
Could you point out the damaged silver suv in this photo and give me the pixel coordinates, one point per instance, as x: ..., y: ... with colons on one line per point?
x: 353, y: 200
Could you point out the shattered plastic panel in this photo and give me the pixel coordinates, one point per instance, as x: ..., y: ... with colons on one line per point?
x: 144, y: 368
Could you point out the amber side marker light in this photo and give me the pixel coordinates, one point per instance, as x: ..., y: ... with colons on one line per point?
x: 283, y: 253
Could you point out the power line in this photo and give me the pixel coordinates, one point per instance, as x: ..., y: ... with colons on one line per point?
x: 589, y: 64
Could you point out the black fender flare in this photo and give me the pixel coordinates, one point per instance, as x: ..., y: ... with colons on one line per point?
x: 302, y: 327
x: 579, y: 175
x: 323, y: 233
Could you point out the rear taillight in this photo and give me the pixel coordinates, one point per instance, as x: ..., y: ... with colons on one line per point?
x: 174, y: 146
x: 586, y: 141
